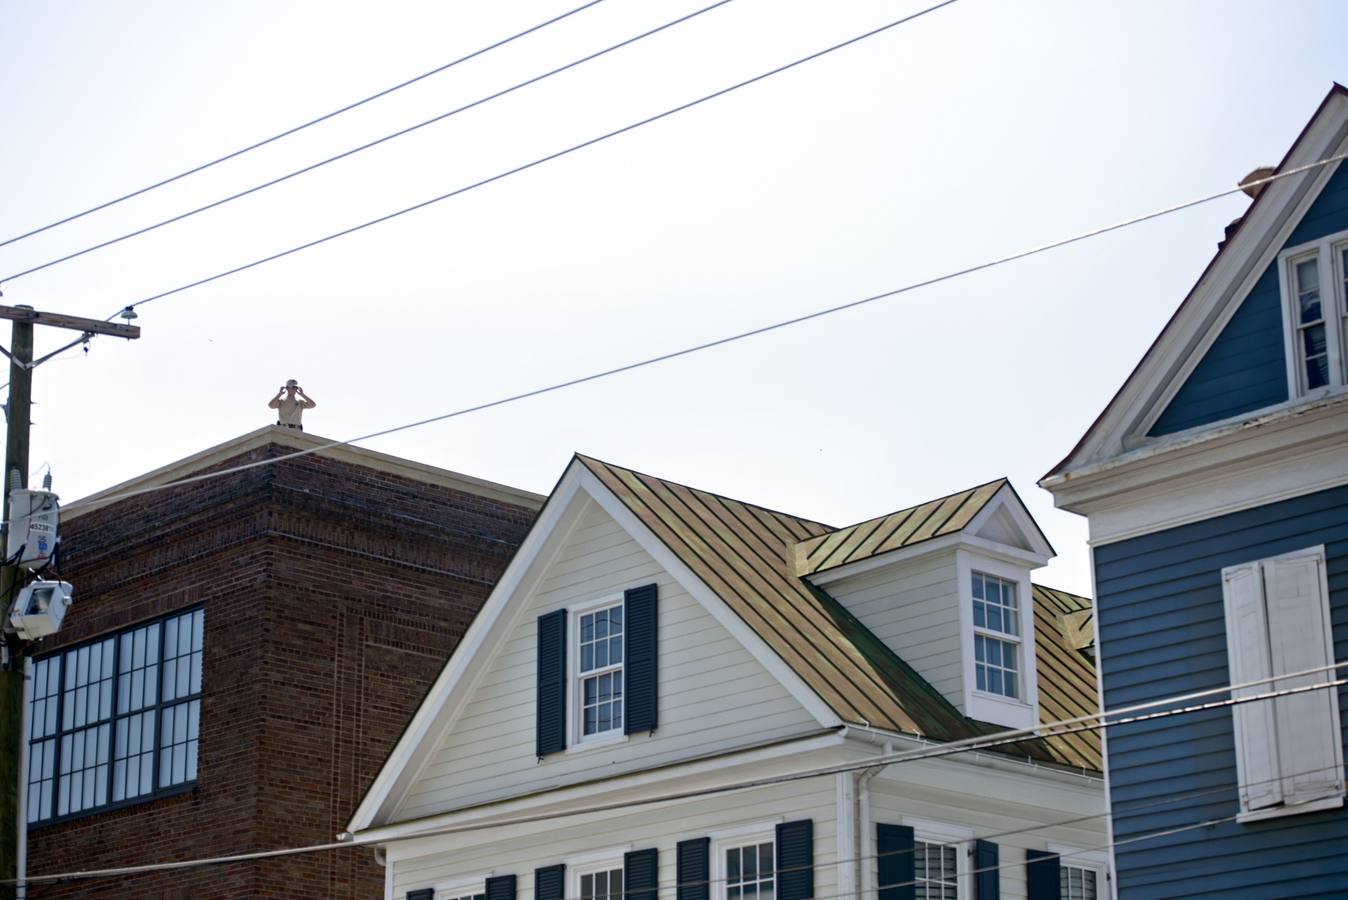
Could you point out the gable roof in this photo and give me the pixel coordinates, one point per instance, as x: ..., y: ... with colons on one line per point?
x: 1201, y: 311
x: 906, y: 528
x: 747, y: 555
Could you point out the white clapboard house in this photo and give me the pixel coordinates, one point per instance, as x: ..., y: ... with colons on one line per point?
x: 651, y: 639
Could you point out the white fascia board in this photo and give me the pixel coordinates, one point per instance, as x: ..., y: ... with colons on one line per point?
x: 1283, y: 454
x: 1216, y: 296
x: 709, y: 601
x: 557, y: 801
x: 465, y: 663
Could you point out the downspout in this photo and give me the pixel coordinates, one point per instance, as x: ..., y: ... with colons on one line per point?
x: 862, y: 817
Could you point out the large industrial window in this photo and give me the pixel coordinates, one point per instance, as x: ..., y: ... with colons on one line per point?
x: 115, y: 720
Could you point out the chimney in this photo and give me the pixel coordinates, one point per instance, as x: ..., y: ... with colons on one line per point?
x: 1257, y: 175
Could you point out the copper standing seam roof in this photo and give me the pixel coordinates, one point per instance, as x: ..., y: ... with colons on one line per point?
x: 1066, y: 676
x: 747, y: 555
x: 933, y: 519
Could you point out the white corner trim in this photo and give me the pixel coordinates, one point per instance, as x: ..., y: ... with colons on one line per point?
x: 409, y: 754
x: 707, y: 598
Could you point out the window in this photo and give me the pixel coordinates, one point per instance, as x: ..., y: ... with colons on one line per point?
x: 459, y: 895
x: 599, y: 670
x: 750, y: 871
x: 1289, y: 752
x: 996, y: 636
x: 1314, y: 282
x: 1078, y: 882
x: 115, y: 719
x: 936, y: 870
x: 602, y: 884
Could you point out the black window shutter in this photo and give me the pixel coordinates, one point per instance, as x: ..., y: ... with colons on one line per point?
x: 1042, y: 879
x: 641, y: 614
x: 422, y: 894
x: 693, y: 870
x: 550, y: 736
x: 987, y: 880
x: 641, y: 873
x: 502, y: 887
x: 795, y: 860
x: 550, y: 883
x: 895, y: 845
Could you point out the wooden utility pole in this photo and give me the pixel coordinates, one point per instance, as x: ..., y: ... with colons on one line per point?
x: 21, y: 366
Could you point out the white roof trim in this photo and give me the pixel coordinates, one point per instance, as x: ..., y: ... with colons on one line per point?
x: 1216, y: 297
x: 472, y: 656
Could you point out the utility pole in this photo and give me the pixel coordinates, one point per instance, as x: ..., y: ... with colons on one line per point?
x: 21, y: 366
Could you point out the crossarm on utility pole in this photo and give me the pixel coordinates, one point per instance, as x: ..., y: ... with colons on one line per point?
x: 60, y: 320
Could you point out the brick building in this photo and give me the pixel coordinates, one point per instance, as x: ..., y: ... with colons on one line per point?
x: 241, y: 657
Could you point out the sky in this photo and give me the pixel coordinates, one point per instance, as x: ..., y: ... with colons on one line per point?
x: 975, y: 131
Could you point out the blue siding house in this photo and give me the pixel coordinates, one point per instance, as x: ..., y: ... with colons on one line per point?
x: 1216, y: 487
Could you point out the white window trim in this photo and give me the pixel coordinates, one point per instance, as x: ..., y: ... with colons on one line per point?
x: 933, y: 832
x: 460, y: 887
x: 1333, y: 305
x: 1317, y: 804
x: 1096, y: 860
x: 590, y: 863
x: 576, y: 742
x: 995, y: 708
x: 741, y: 836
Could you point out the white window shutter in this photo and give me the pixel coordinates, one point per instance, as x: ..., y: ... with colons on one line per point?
x: 1247, y: 647
x: 1307, y: 723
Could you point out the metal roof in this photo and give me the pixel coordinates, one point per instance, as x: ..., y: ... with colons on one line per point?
x: 747, y: 555
x: 933, y: 519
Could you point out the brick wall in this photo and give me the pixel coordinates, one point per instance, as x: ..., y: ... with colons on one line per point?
x: 333, y: 594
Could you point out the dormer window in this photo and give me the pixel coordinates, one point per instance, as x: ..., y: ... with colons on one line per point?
x: 997, y: 665
x: 1314, y: 283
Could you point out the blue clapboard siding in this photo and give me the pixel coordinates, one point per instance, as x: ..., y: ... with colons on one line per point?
x: 1161, y: 627
x: 1246, y: 367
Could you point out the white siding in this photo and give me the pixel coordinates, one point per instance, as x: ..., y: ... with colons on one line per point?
x: 662, y: 827
x: 989, y: 803
x: 714, y: 695
x: 913, y: 606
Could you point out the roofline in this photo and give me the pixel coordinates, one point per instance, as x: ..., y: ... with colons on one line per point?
x: 1335, y: 88
x: 317, y: 446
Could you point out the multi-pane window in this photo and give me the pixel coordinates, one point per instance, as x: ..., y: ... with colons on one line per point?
x: 996, y: 636
x: 1077, y: 883
x: 751, y: 871
x: 605, y: 884
x: 1312, y: 339
x: 935, y: 870
x: 115, y: 719
x: 462, y: 895
x: 600, y: 670
x: 1314, y: 280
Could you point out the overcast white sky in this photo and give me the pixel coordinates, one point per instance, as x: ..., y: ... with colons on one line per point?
x: 978, y: 130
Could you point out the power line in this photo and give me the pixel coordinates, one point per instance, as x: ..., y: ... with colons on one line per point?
x: 1128, y: 715
x: 706, y: 345
x: 289, y: 131
x: 544, y: 159
x: 354, y: 150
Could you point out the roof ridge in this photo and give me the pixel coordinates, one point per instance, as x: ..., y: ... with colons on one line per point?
x: 895, y: 512
x: 768, y: 509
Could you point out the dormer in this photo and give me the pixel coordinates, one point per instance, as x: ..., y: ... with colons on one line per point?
x: 946, y: 585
